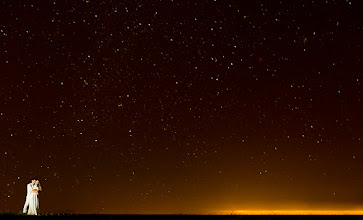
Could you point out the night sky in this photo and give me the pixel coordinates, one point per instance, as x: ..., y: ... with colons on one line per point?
x: 179, y: 106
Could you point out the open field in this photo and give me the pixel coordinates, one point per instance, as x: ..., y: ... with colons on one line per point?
x: 291, y: 212
x: 234, y: 215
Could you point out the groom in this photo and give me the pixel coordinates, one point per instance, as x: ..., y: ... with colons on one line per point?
x: 29, y: 188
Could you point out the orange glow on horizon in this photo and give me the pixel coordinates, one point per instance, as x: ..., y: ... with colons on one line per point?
x: 290, y: 212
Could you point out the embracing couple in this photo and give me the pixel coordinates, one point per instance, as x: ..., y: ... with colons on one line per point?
x: 32, y: 200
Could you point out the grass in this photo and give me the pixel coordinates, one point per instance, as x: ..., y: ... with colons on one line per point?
x: 24, y: 214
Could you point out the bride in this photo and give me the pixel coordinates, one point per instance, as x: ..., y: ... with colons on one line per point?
x: 33, y: 199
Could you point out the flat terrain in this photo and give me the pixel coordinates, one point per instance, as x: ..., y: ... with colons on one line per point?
x: 244, y: 217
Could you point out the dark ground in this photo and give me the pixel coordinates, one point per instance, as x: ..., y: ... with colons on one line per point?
x: 244, y: 217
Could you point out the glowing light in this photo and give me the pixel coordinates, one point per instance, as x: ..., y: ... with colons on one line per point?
x: 290, y: 212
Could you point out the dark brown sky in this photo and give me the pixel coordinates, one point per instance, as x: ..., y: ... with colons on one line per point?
x: 177, y: 106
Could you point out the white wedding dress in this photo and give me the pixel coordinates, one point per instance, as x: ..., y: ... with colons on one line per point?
x: 33, y: 202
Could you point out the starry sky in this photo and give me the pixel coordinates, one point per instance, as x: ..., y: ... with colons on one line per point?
x: 171, y: 106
